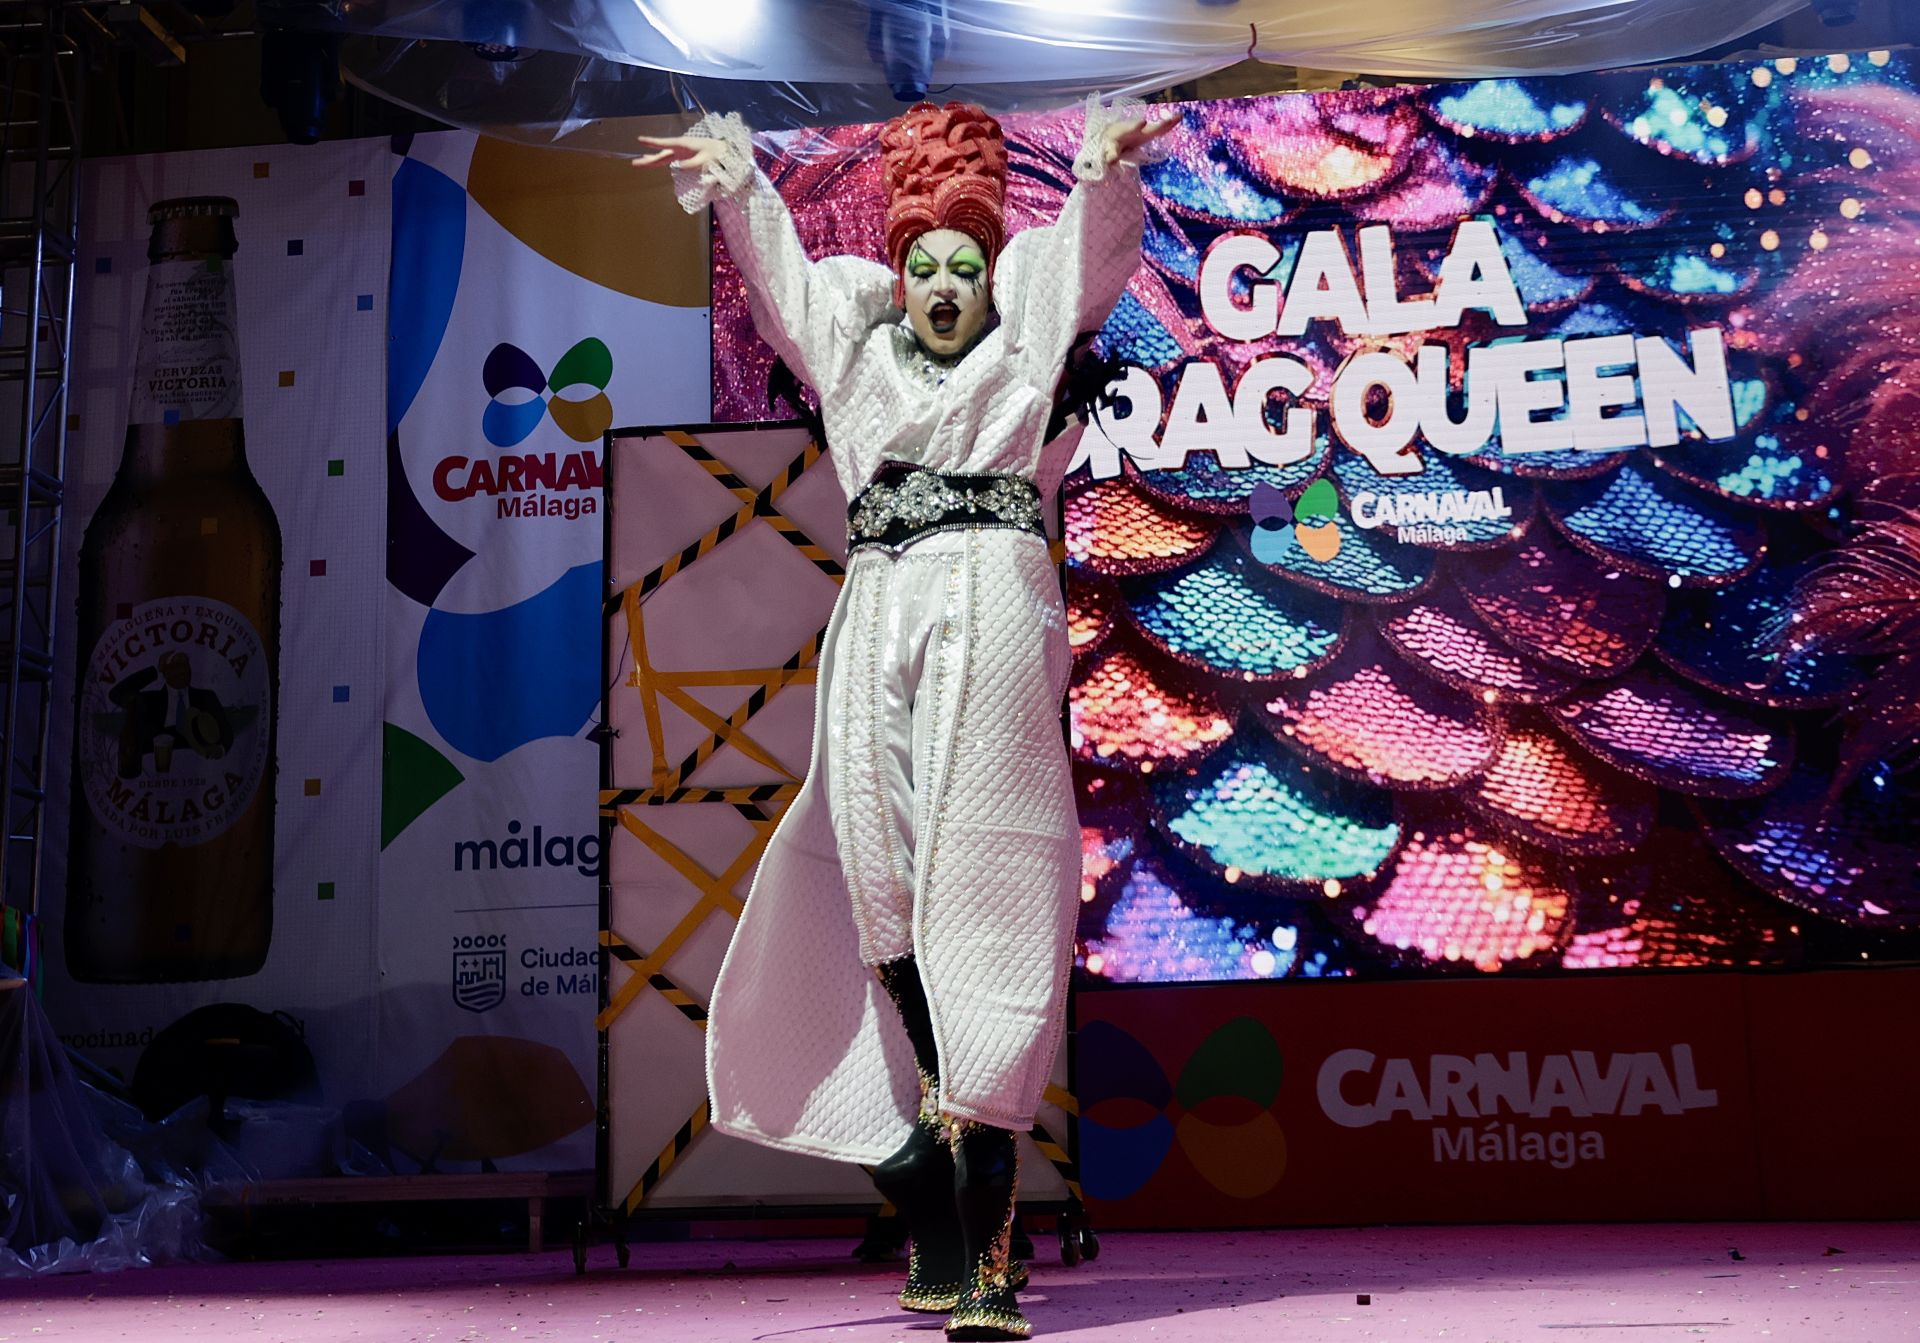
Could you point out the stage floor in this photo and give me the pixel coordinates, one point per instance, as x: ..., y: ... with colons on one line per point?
x: 1789, y: 1284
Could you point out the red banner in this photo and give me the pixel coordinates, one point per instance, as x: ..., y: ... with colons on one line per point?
x: 1718, y: 1096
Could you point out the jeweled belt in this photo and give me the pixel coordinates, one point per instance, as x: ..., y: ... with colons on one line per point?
x: 904, y: 503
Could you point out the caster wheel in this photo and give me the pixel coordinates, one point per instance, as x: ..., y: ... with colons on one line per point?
x: 1069, y: 1247
x: 1089, y: 1245
x: 622, y: 1255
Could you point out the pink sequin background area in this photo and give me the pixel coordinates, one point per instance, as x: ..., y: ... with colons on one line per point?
x: 1581, y: 737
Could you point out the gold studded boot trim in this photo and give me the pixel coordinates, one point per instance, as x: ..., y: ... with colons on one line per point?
x: 925, y: 1298
x: 935, y: 1280
x: 925, y: 1293
x: 974, y: 1319
x: 990, y: 1306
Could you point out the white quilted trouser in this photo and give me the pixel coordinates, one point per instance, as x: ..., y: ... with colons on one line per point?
x: 894, y: 664
x: 804, y: 1051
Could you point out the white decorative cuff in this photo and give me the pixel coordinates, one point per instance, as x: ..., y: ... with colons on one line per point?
x: 727, y: 174
x: 1091, y: 165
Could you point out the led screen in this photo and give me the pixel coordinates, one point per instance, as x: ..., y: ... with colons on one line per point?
x: 1479, y: 562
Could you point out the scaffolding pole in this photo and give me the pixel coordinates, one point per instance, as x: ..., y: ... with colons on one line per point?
x: 42, y: 71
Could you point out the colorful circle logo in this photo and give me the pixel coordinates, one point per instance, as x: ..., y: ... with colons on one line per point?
x: 510, y: 370
x: 1220, y: 1113
x: 1279, y: 524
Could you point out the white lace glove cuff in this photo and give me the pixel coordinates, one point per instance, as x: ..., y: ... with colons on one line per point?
x: 731, y: 170
x: 1092, y: 165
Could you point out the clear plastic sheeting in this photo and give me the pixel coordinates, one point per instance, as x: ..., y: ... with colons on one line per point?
x: 86, y: 1183
x: 587, y: 103
x: 550, y: 69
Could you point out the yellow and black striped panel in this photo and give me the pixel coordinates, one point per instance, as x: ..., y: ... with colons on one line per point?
x: 682, y: 1139
x: 756, y: 700
x: 716, y: 893
x: 716, y: 468
x: 1064, y: 1099
x: 612, y: 799
x: 1061, y: 1159
x: 754, y: 504
x: 685, y: 1003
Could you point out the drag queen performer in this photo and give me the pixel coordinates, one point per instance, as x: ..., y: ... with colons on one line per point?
x: 895, y: 991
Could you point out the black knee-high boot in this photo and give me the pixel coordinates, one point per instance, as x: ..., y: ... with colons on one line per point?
x: 918, y: 1179
x: 986, y: 1168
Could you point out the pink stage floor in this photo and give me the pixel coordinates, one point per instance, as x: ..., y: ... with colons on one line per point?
x: 1790, y: 1284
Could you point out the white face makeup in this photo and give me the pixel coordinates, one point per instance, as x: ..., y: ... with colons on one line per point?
x: 948, y: 295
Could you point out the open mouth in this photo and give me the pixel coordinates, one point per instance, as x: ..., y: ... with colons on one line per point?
x: 944, y: 316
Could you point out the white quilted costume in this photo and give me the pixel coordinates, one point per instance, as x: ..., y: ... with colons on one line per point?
x: 937, y: 818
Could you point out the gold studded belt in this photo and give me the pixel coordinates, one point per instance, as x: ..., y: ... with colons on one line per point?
x: 904, y: 503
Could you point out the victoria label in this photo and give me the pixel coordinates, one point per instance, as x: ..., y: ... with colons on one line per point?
x: 173, y: 722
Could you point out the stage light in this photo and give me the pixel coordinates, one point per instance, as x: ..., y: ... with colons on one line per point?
x: 905, y: 38
x: 696, y: 24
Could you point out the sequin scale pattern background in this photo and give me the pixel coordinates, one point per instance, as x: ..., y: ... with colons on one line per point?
x: 1569, y: 739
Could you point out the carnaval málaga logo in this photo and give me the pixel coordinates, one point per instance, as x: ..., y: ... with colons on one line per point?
x: 536, y: 484
x: 1312, y: 524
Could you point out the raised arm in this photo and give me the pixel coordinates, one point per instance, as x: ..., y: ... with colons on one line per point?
x: 1062, y: 279
x: 813, y: 313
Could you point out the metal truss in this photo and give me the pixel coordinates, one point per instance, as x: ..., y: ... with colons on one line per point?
x: 41, y: 72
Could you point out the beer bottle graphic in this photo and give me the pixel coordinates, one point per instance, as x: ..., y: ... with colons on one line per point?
x: 171, y: 860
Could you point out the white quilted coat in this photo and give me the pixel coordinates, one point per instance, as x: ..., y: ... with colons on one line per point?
x: 804, y: 1051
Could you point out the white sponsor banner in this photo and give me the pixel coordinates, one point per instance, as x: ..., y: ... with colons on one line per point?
x: 533, y: 309
x: 219, y: 649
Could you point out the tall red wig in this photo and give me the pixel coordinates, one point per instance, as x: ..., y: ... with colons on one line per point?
x: 944, y: 167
